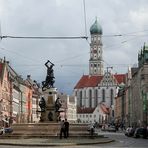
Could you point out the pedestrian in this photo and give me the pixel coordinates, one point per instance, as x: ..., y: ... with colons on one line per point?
x: 62, y: 129
x: 92, y: 131
x: 66, y: 128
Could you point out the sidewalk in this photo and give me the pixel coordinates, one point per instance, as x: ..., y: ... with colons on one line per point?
x: 55, y: 141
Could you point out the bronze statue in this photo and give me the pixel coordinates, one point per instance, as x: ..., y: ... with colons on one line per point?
x: 42, y: 104
x: 58, y: 104
x: 48, y: 83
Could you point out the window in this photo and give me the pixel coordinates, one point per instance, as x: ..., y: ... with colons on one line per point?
x: 80, y: 98
x: 113, y: 113
x: 103, y: 95
x: 76, y: 93
x: 96, y: 98
x: 95, y: 38
x: 90, y: 98
x: 111, y: 96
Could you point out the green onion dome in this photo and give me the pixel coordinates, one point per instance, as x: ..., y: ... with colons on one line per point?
x: 96, y: 28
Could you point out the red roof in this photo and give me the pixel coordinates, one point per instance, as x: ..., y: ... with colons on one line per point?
x: 1, y: 68
x: 88, y: 81
x: 104, y: 108
x: 120, y: 78
x: 85, y: 110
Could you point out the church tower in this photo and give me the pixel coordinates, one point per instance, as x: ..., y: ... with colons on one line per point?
x: 96, y: 60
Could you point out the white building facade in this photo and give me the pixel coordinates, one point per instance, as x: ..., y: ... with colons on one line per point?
x: 69, y: 107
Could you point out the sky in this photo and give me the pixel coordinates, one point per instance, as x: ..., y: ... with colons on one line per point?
x: 63, y: 18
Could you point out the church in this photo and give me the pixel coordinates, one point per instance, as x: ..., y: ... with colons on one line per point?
x: 96, y: 91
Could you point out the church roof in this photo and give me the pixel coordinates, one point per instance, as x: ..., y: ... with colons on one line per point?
x: 88, y: 81
x: 93, y: 81
x: 120, y: 78
x: 85, y: 110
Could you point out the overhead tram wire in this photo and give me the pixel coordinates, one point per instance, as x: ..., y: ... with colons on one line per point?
x: 18, y: 54
x: 68, y: 37
x: 43, y: 37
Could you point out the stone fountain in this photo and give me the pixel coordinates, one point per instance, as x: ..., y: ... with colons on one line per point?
x: 50, y: 108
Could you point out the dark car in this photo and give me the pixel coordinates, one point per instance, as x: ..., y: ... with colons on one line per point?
x: 141, y: 132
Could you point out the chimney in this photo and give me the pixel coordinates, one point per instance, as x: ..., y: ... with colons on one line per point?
x: 28, y: 76
x: 4, y: 59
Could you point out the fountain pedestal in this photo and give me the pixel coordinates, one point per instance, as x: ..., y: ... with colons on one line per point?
x: 49, y: 115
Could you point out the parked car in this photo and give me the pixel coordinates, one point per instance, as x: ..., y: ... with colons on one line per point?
x: 111, y: 129
x: 6, y: 130
x: 141, y: 132
x: 127, y: 131
x: 130, y: 131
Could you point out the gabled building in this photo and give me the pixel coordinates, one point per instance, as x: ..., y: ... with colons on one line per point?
x: 5, y: 94
x: 97, y: 114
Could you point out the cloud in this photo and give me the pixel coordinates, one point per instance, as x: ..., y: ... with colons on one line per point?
x: 140, y: 17
x: 66, y: 18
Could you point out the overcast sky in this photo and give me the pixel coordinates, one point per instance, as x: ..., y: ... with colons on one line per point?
x: 66, y: 18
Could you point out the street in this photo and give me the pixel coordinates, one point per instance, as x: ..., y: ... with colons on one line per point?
x: 120, y: 141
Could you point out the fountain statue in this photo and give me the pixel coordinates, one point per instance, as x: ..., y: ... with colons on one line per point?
x: 49, y: 103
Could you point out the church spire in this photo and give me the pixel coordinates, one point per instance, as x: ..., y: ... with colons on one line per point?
x: 96, y: 60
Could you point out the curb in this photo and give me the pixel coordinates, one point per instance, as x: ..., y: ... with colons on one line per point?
x: 57, y: 144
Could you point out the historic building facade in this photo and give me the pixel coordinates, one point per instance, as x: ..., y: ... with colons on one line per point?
x: 99, y: 86
x: 16, y: 97
x: 69, y: 107
x: 131, y: 105
x: 5, y: 95
x: 139, y: 90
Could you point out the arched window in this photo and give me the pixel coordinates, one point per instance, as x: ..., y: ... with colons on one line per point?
x: 103, y: 95
x: 75, y: 93
x: 111, y: 97
x: 80, y: 98
x: 90, y: 98
x: 96, y: 97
